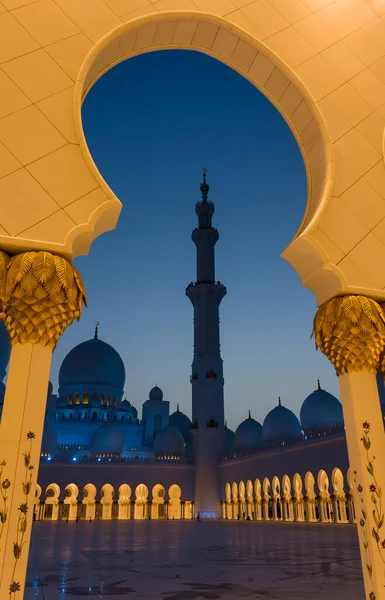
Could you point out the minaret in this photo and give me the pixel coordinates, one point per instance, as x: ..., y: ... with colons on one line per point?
x: 207, y: 367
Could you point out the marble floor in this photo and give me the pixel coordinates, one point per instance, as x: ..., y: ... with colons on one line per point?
x: 160, y: 560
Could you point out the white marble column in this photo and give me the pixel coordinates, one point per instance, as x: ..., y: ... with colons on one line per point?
x: 20, y: 442
x: 366, y: 447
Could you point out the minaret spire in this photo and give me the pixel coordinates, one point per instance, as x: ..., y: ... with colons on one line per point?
x: 249, y: 414
x: 319, y: 385
x: 279, y: 401
x: 205, y: 187
x: 96, y: 334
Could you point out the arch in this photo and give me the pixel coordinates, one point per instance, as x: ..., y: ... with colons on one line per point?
x: 37, y: 503
x: 141, y: 496
x: 288, y: 510
x: 88, y: 509
x: 324, y: 502
x: 242, y: 500
x: 158, y: 507
x: 281, y: 86
x: 107, y: 500
x: 275, y: 504
x: 228, y: 502
x: 124, y: 501
x: 310, y: 504
x: 70, y: 504
x: 235, y: 499
x: 309, y: 484
x: 51, y: 508
x: 258, y: 500
x: 174, y: 507
x: 299, y: 509
x: 340, y: 511
x: 350, y: 498
x: 266, y: 488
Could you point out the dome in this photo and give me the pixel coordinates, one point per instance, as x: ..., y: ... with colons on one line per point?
x: 229, y: 442
x: 156, y: 393
x: 125, y: 405
x: 169, y: 442
x: 92, y: 363
x: 321, y: 411
x: 248, y: 435
x: 182, y: 423
x: 107, y: 438
x: 5, y: 349
x: 281, y: 425
x: 49, y: 441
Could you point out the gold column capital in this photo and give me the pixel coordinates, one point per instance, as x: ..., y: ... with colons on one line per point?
x: 350, y: 331
x: 41, y: 294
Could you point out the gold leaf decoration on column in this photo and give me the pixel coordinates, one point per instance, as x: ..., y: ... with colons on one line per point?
x: 43, y: 295
x: 350, y: 331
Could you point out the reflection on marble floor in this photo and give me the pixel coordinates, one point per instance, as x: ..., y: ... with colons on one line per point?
x: 159, y: 560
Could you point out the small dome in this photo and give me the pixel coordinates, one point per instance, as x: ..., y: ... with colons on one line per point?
x: 5, y: 349
x: 248, y: 435
x: 125, y: 405
x: 134, y: 411
x: 182, y: 423
x: 107, y: 438
x: 169, y: 442
x: 156, y: 393
x: 49, y: 441
x: 229, y: 442
x: 281, y: 425
x: 321, y: 411
x: 92, y: 362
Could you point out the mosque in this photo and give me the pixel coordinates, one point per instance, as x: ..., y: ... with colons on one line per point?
x: 95, y: 440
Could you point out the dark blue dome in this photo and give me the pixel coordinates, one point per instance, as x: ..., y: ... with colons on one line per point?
x: 321, y: 412
x: 248, y: 435
x: 229, y: 442
x: 169, y: 442
x: 281, y: 425
x: 92, y: 362
x: 5, y: 349
x: 108, y: 439
x: 182, y: 423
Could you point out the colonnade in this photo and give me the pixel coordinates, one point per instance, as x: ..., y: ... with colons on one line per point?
x: 85, y: 506
x: 291, y: 500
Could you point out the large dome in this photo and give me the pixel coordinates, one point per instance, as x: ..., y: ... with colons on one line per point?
x: 321, y: 412
x: 107, y: 439
x: 156, y: 393
x: 92, y: 363
x: 248, y: 435
x: 281, y: 425
x: 169, y: 442
x: 182, y: 423
x: 5, y: 349
x: 49, y: 441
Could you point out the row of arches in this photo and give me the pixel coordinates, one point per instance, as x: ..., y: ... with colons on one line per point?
x: 292, y: 500
x: 161, y: 504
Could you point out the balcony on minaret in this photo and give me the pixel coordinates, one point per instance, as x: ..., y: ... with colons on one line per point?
x: 211, y: 374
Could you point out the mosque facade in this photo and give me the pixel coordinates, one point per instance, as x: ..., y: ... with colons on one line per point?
x: 96, y: 443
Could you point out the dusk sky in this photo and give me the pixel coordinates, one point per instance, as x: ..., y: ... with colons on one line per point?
x: 152, y: 123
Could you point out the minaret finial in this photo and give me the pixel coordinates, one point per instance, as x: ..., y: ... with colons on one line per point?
x: 279, y: 401
x: 96, y: 334
x: 249, y: 414
x: 204, y: 187
x: 319, y: 385
x: 177, y: 407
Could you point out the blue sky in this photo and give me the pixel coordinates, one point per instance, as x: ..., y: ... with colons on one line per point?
x: 152, y: 123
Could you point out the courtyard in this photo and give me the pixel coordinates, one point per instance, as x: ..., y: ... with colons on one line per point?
x: 174, y: 560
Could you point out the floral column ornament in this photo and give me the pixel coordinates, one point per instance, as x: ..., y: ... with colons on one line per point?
x: 40, y: 296
x: 350, y: 331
